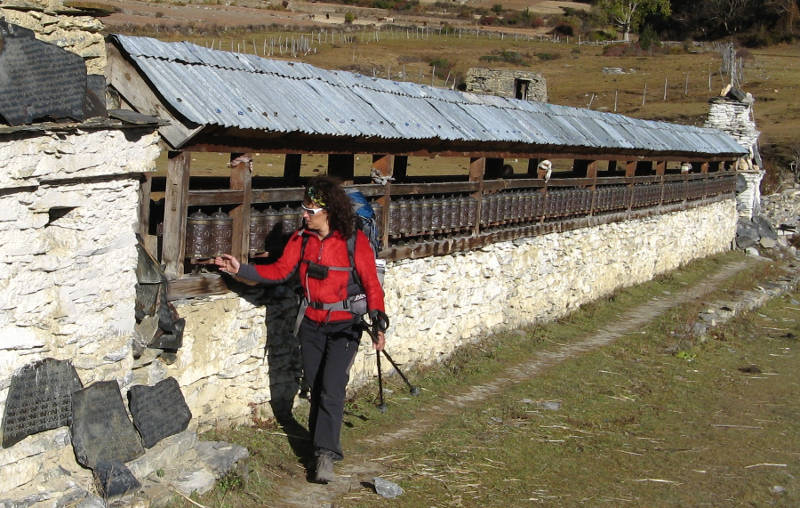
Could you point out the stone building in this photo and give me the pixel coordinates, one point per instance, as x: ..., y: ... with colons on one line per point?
x: 510, y: 83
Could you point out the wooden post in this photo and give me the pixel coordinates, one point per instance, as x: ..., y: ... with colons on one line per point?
x: 661, y: 167
x: 591, y: 172
x: 704, y: 167
x: 241, y: 179
x: 149, y: 241
x: 291, y: 168
x: 477, y: 168
x: 630, y: 168
x: 385, y: 165
x: 341, y: 165
x: 175, y: 210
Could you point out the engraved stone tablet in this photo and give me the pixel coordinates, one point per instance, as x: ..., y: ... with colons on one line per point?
x: 114, y: 479
x: 158, y: 411
x: 38, y: 80
x: 101, y: 430
x: 39, y: 399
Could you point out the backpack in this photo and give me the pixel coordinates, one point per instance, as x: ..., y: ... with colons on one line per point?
x: 365, y: 219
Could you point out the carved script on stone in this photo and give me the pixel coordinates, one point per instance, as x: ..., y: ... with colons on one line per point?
x: 39, y: 399
x: 158, y: 411
x: 101, y: 430
x: 38, y: 80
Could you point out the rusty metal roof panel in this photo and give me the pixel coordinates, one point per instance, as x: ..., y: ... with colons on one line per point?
x: 212, y: 87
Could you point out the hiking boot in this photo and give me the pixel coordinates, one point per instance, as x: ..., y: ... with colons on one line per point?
x: 324, y: 472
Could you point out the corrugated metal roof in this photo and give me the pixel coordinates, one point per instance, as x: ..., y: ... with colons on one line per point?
x: 219, y: 88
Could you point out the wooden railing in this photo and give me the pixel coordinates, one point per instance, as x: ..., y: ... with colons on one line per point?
x: 423, y: 219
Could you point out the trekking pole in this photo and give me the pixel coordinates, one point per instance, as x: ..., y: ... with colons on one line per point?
x: 382, y: 405
x: 412, y: 389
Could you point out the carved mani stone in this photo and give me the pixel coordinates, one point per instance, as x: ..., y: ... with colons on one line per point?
x: 158, y: 411
x: 101, y: 430
x: 114, y: 479
x: 39, y: 399
x: 38, y: 80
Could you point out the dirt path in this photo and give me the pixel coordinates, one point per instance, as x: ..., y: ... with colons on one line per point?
x: 357, y: 469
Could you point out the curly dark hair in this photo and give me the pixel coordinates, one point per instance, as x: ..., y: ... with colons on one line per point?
x: 328, y: 192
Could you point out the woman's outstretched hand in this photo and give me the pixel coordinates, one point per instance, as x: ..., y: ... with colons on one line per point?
x: 228, y: 263
x: 380, y: 343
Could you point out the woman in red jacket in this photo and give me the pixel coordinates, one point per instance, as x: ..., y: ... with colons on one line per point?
x: 329, y: 333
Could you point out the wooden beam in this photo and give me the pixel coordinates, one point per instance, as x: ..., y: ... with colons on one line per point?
x: 291, y: 168
x: 704, y: 167
x: 149, y: 241
x: 126, y: 80
x: 630, y: 168
x: 341, y: 166
x: 175, y: 210
x: 241, y: 180
x: 661, y: 167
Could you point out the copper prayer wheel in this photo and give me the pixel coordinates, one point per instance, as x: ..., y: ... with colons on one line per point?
x: 454, y: 206
x: 404, y: 217
x: 394, y: 219
x: 469, y: 208
x: 198, y: 235
x: 416, y: 217
x: 436, y: 214
x: 258, y: 231
x: 288, y: 220
x: 426, y: 223
x: 221, y: 233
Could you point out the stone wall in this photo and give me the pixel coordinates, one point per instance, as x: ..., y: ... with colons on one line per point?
x: 501, y: 82
x: 68, y: 216
x: 236, y: 353
x: 56, y: 25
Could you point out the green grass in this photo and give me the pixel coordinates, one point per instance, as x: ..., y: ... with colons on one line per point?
x: 655, y: 405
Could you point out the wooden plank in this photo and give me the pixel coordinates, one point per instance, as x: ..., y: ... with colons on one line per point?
x: 144, y: 205
x: 661, y: 167
x: 215, y: 197
x: 193, y: 286
x: 175, y: 210
x: 241, y: 179
x: 126, y: 80
x: 630, y: 168
x: 704, y: 167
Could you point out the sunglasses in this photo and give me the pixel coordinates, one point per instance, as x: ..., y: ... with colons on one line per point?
x: 311, y: 211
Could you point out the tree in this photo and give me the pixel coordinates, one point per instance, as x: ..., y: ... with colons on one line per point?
x: 628, y: 14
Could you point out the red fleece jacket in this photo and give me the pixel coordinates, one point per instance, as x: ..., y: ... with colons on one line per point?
x: 329, y: 251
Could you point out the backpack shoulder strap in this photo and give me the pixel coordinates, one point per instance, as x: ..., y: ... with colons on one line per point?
x: 351, y: 254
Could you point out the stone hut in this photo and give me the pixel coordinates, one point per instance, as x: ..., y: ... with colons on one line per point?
x: 510, y: 83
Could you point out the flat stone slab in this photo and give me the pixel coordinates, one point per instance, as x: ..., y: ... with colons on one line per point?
x: 101, y: 430
x: 113, y: 479
x: 39, y: 399
x: 158, y: 411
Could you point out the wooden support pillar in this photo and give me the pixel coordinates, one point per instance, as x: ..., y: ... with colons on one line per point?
x: 241, y: 179
x: 149, y: 241
x: 291, y: 169
x: 533, y: 165
x: 384, y: 163
x: 704, y: 167
x: 661, y: 167
x: 591, y: 172
x: 341, y: 166
x: 477, y: 168
x: 494, y: 168
x: 176, y: 197
x: 400, y: 167
x: 630, y: 168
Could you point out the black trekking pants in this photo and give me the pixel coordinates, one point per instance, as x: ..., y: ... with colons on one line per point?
x: 328, y: 353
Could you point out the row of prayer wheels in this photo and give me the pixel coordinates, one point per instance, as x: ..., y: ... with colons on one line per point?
x: 208, y: 236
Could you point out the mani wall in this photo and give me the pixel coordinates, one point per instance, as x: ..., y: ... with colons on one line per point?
x: 238, y: 349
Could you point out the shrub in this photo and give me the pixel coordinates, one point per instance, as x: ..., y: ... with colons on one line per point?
x: 349, y: 17
x: 547, y: 56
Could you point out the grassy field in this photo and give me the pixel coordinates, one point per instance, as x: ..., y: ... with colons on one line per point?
x: 574, y: 73
x: 657, y: 418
